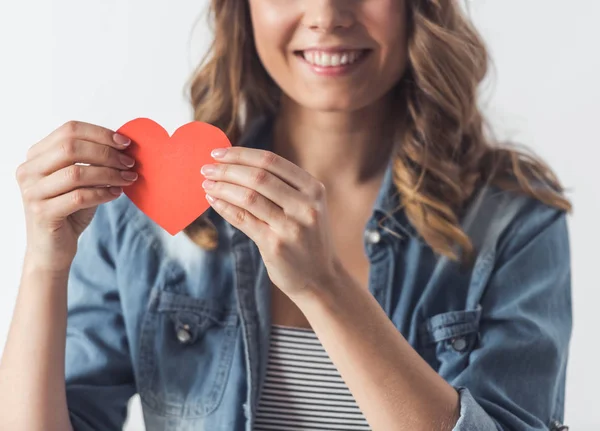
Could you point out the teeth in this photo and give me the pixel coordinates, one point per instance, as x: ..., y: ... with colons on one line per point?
x: 327, y: 59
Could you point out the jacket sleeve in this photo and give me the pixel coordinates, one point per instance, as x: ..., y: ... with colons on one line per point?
x: 99, y: 375
x: 516, y: 376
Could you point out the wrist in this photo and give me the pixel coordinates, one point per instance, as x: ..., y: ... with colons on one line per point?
x: 56, y: 267
x: 324, y: 292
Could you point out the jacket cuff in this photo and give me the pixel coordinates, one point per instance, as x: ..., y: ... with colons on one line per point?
x: 472, y: 416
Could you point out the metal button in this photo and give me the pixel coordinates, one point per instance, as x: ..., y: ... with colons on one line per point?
x: 372, y: 236
x: 557, y: 426
x: 183, y: 334
x: 459, y: 344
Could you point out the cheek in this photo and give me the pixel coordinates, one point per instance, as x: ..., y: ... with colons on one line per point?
x: 273, y: 27
x: 387, y: 24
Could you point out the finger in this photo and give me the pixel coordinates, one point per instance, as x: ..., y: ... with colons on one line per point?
x: 264, y: 182
x: 64, y: 205
x: 74, y: 177
x: 250, y: 200
x: 239, y: 218
x: 78, y: 151
x: 78, y: 130
x: 271, y: 162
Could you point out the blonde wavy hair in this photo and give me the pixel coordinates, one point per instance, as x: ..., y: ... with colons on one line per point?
x: 442, y: 154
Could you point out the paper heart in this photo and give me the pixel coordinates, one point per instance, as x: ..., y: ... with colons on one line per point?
x: 169, y: 187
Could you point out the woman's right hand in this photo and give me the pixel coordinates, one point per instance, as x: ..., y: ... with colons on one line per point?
x: 60, y: 197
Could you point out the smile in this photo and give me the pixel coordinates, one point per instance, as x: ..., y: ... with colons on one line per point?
x: 332, y: 62
x: 333, y: 59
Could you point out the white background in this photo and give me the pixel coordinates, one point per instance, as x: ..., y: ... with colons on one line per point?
x: 108, y: 62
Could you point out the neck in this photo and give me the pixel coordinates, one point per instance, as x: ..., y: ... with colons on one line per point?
x: 339, y: 149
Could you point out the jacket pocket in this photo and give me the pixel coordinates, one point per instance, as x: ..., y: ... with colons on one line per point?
x: 186, y: 351
x: 446, y: 339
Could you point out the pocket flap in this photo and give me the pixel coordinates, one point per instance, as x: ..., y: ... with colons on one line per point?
x: 170, y: 302
x: 448, y: 325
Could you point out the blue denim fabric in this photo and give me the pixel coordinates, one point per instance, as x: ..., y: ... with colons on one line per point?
x: 188, y: 329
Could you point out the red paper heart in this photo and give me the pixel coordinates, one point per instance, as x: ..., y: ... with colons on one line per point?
x: 169, y: 187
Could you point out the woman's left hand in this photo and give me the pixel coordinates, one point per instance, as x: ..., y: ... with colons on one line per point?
x: 282, y: 208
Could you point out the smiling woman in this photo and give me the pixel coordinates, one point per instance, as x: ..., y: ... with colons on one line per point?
x: 370, y: 259
x: 428, y: 61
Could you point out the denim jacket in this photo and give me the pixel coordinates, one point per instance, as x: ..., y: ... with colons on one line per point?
x: 188, y: 329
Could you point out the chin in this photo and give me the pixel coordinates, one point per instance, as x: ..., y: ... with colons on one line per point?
x: 331, y: 103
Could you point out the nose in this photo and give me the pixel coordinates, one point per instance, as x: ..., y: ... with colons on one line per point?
x: 324, y: 16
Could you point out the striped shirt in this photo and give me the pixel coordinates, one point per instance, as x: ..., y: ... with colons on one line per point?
x: 303, y: 390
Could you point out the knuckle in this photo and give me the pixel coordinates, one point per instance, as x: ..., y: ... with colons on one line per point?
x: 312, y: 215
x: 294, y: 231
x: 318, y: 190
x: 73, y: 173
x: 101, y: 192
x: 105, y: 153
x: 276, y: 214
x: 78, y: 198
x: 37, y: 209
x: 71, y: 127
x: 250, y: 197
x: 21, y: 173
x: 239, y: 216
x: 68, y: 147
x: 260, y: 177
x: 113, y: 176
x: 277, y: 245
x: 27, y: 194
x: 268, y: 159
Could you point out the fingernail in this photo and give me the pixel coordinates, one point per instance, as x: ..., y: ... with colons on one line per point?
x: 210, y: 199
x: 115, y: 190
x: 126, y: 160
x: 218, y: 152
x: 129, y: 176
x: 121, y: 140
x: 207, y: 184
x: 208, y: 169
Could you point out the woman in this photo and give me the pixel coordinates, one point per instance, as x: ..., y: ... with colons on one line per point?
x: 370, y: 259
